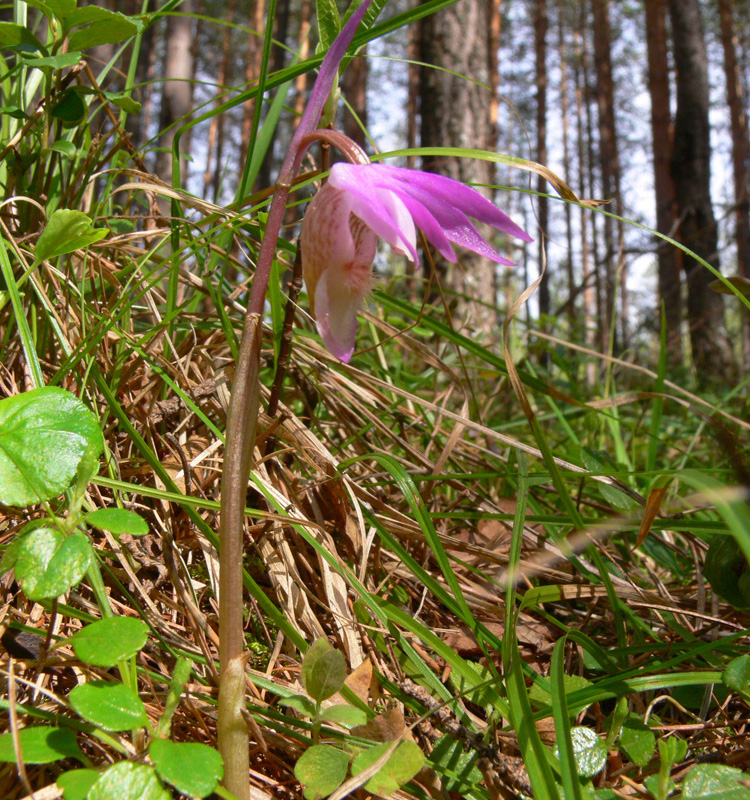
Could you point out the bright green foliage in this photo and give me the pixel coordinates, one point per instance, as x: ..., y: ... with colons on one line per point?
x: 46, y: 436
x: 67, y: 230
x: 107, y: 641
x: 715, y: 782
x: 118, y: 520
x: 110, y: 706
x: 736, y: 675
x: 637, y: 740
x: 323, y: 670
x: 128, y: 781
x: 589, y: 750
x: 49, y: 563
x: 41, y: 744
x: 345, y: 715
x: 77, y: 782
x: 321, y: 769
x: 402, y: 765
x: 192, y: 768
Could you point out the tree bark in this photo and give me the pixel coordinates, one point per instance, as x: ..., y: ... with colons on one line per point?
x: 354, y: 89
x: 661, y: 135
x: 691, y: 170
x: 540, y: 61
x: 740, y: 156
x: 454, y: 112
x: 177, y: 94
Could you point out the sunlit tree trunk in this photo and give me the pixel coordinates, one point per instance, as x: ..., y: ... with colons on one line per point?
x: 354, y: 89
x: 740, y: 156
x: 691, y: 171
x: 454, y: 112
x: 540, y: 61
x: 661, y: 136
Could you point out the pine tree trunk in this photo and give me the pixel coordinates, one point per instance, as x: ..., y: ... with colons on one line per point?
x: 740, y: 157
x: 565, y: 110
x: 661, y: 135
x: 691, y: 171
x: 454, y: 112
x: 540, y: 50
x: 354, y: 90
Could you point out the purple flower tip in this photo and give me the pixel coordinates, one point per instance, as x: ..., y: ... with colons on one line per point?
x: 362, y: 201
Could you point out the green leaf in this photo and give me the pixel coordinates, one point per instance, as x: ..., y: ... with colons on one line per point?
x: 77, y: 782
x: 321, y: 769
x: 590, y: 751
x: 402, y: 766
x: 118, y: 520
x: 111, y: 706
x: 56, y: 62
x: 301, y: 703
x: 329, y: 23
x: 48, y: 563
x: 637, y: 740
x: 69, y: 108
x: 457, y: 768
x: 323, y: 670
x: 62, y: 9
x: 736, y: 674
x: 67, y: 230
x: 46, y: 435
x: 41, y: 744
x: 107, y: 641
x: 127, y: 781
x: 64, y: 147
x: 715, y: 782
x: 192, y: 768
x: 12, y: 35
x: 572, y: 683
x: 344, y: 715
x: 124, y: 101
x: 116, y: 28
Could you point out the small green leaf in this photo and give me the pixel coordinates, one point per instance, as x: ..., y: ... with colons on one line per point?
x: 46, y: 435
x: 110, y: 706
x: 301, y: 703
x: 323, y: 670
x: 128, y: 781
x: 715, y: 782
x: 321, y: 769
x: 192, y: 768
x: 77, y: 782
x: 48, y: 563
x: 107, y: 641
x: 67, y: 230
x: 590, y: 751
x: 56, y: 62
x: 124, y: 101
x: 344, y: 715
x: 637, y: 740
x: 69, y: 108
x: 41, y: 744
x: 652, y: 784
x: 116, y: 28
x: 572, y: 683
x: 64, y: 147
x: 736, y: 675
x: 118, y: 520
x: 12, y: 35
x: 402, y: 766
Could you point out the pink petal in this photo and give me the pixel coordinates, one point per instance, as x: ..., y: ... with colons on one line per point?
x: 336, y: 316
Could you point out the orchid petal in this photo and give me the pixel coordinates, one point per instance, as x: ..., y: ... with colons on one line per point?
x: 336, y: 317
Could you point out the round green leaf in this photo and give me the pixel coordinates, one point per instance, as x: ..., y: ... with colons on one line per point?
x: 107, y: 641
x: 736, y: 675
x: 77, y: 782
x: 192, y: 768
x: 404, y: 763
x: 323, y: 670
x: 321, y: 770
x: 637, y: 740
x: 45, y: 435
x: 48, y: 563
x: 127, y: 781
x: 111, y: 706
x: 41, y: 744
x: 715, y: 781
x: 118, y: 520
x: 589, y: 750
x: 67, y: 230
x: 344, y: 715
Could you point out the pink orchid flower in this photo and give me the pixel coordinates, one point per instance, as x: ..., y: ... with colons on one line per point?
x: 363, y: 201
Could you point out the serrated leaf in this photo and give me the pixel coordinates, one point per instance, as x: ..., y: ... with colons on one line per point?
x: 323, y: 670
x: 41, y: 744
x: 715, y: 782
x: 118, y: 520
x: 116, y: 28
x: 67, y: 230
x: 107, y: 641
x: 111, y: 706
x: 128, y: 781
x: 401, y: 767
x: 77, y: 782
x: 637, y: 740
x: 321, y: 769
x: 345, y: 715
x: 192, y: 768
x: 589, y: 750
x: 46, y: 435
x: 48, y: 563
x: 736, y: 674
